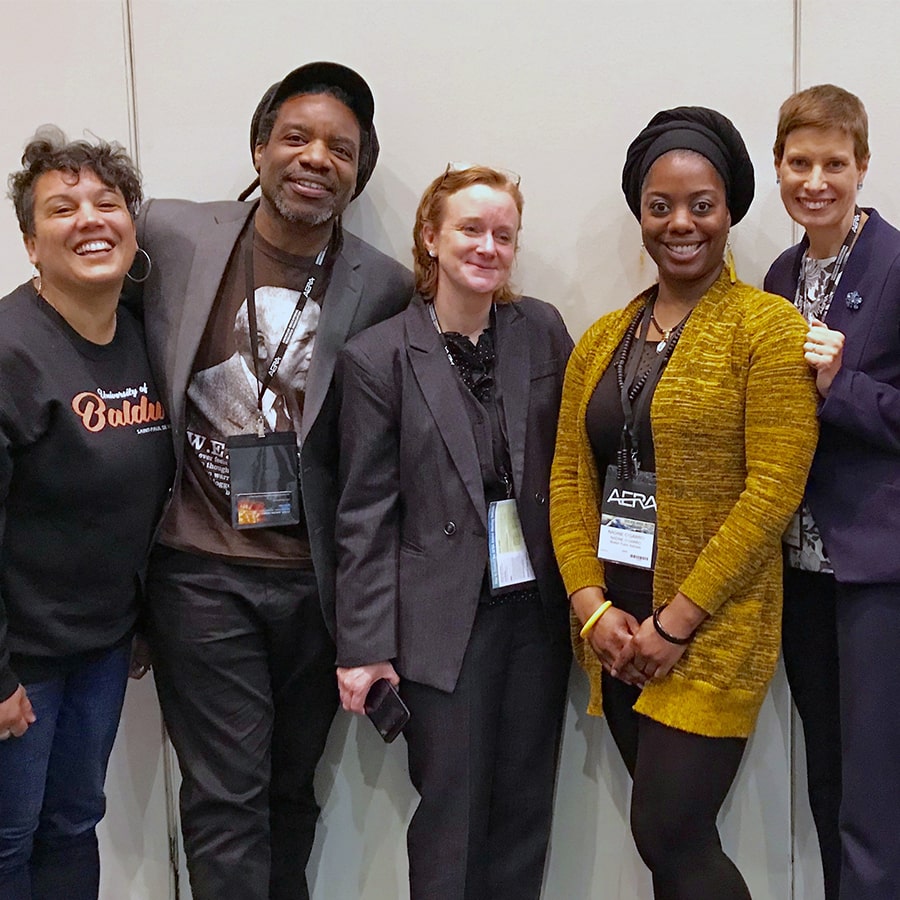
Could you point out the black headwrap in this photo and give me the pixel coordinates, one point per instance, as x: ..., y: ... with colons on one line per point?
x: 703, y: 130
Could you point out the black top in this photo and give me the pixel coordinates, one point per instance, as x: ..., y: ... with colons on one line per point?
x: 474, y: 363
x: 604, y: 421
x: 85, y: 461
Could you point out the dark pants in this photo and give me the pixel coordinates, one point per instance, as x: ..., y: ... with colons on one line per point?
x: 51, y: 783
x: 245, y: 674
x: 483, y: 759
x: 680, y: 781
x: 810, y: 644
x: 868, y: 627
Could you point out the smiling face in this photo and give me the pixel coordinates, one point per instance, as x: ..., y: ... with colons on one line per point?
x: 685, y: 221
x: 84, y: 235
x: 307, y: 168
x: 819, y: 176
x: 475, y: 243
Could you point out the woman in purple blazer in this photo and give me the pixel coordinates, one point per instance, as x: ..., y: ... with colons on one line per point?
x: 842, y: 573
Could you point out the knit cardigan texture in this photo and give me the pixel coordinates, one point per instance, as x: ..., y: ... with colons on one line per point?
x: 734, y: 428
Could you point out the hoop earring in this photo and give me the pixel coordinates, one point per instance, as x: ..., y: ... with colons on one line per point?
x: 146, y: 275
x: 859, y: 186
x: 36, y: 276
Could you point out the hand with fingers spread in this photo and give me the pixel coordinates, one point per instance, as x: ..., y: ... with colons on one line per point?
x: 824, y: 351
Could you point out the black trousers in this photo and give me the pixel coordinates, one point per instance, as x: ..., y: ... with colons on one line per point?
x: 810, y: 645
x: 868, y: 628
x: 245, y: 675
x: 483, y: 759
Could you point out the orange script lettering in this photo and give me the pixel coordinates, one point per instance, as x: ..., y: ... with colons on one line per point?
x: 95, y: 414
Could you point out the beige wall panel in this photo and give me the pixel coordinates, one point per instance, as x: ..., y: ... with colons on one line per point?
x: 554, y: 91
x: 61, y: 62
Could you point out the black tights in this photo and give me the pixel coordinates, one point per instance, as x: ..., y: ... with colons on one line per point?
x: 680, y: 783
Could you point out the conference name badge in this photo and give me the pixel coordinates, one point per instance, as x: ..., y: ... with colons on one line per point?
x: 264, y: 480
x: 628, y: 520
x: 510, y: 564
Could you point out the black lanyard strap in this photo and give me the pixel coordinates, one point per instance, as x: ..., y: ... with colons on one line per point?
x: 631, y: 384
x: 829, y: 286
x: 316, y: 283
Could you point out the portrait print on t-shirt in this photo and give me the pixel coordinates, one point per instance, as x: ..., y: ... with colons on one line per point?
x: 225, y: 397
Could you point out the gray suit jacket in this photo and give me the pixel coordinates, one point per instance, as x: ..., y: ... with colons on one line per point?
x: 412, y: 529
x: 190, y: 245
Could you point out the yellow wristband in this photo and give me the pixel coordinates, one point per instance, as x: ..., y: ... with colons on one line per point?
x: 595, y: 618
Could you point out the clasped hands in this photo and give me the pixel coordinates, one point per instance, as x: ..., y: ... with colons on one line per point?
x: 630, y: 650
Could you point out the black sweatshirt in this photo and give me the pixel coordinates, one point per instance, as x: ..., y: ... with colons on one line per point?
x: 85, y: 462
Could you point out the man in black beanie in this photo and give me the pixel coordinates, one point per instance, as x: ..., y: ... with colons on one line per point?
x: 241, y: 584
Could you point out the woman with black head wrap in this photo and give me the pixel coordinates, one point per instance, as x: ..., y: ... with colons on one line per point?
x: 686, y: 431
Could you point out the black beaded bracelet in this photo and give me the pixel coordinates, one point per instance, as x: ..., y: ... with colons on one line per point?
x: 665, y: 634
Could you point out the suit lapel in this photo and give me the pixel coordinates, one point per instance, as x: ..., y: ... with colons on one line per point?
x: 440, y: 387
x: 338, y: 311
x: 211, y: 254
x: 513, y: 367
x: 855, y: 323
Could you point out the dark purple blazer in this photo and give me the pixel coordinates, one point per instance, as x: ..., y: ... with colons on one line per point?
x: 854, y: 483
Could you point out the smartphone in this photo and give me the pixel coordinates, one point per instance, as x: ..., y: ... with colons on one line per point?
x: 386, y: 709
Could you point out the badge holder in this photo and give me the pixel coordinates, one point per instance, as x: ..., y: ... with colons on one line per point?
x: 628, y: 519
x: 264, y: 480
x: 263, y: 468
x: 628, y: 506
x: 509, y: 564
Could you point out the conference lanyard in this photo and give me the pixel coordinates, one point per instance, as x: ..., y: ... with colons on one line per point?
x: 829, y: 285
x: 315, y: 287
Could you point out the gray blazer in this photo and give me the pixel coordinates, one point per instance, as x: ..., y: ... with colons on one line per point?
x: 412, y: 528
x: 190, y: 245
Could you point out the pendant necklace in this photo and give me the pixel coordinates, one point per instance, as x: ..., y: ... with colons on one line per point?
x: 667, y: 332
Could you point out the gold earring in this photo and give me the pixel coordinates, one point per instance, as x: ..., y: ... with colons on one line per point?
x: 729, y: 261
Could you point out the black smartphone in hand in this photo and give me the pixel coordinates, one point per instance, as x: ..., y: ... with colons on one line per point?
x: 386, y: 709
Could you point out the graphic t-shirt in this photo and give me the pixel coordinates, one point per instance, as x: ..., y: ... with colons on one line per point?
x: 223, y: 400
x: 85, y: 463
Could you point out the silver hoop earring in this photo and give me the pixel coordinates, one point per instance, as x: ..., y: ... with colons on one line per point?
x: 859, y: 186
x: 777, y: 181
x: 146, y: 274
x: 36, y: 277
x: 432, y: 254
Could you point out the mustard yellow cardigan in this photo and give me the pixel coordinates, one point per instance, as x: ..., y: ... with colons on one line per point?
x: 734, y: 428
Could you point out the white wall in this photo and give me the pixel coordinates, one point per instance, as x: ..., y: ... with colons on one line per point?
x: 554, y: 89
